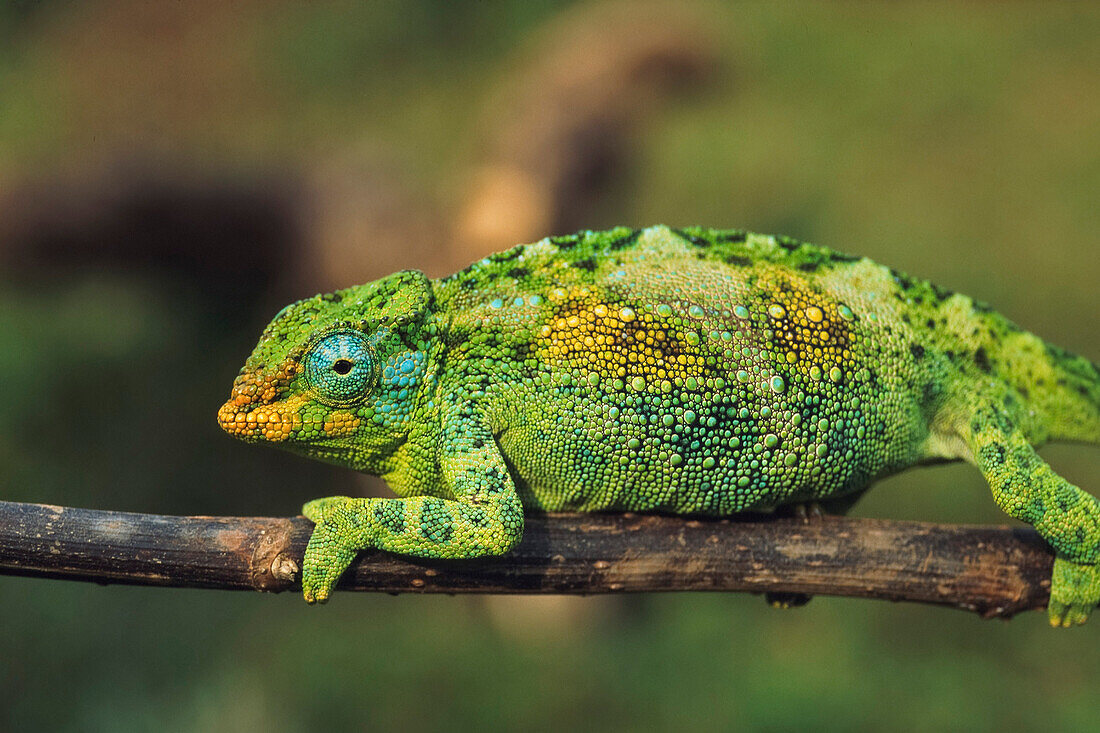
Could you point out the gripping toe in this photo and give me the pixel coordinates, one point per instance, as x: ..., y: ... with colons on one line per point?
x: 1074, y: 593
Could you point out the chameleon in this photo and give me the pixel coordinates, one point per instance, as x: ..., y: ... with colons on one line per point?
x: 686, y: 371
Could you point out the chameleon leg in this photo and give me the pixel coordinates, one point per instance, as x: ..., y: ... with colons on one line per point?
x: 484, y: 517
x: 1026, y: 488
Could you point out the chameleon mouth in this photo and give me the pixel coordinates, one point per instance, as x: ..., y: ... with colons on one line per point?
x: 275, y: 422
x: 253, y: 412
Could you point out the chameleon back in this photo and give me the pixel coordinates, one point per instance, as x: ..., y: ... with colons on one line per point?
x: 685, y: 374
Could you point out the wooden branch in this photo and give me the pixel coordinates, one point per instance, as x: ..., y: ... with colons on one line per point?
x: 994, y: 571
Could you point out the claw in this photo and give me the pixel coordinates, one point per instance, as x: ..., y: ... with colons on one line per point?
x: 808, y: 511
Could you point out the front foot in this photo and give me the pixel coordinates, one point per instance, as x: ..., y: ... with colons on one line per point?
x: 1074, y: 592
x: 330, y: 550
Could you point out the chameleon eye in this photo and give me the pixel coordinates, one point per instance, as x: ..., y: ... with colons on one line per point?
x: 340, y: 367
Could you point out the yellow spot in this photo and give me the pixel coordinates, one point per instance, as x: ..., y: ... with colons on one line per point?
x: 617, y: 342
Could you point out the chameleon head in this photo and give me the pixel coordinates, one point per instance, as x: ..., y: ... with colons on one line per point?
x: 337, y: 376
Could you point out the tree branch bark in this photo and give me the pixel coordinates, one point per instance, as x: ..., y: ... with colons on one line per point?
x: 994, y: 571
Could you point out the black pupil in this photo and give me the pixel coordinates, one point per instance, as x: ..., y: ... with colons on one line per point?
x: 342, y: 366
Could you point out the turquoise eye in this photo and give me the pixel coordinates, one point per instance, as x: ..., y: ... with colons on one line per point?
x: 340, y: 366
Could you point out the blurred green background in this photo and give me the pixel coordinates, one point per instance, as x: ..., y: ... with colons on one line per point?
x: 172, y: 173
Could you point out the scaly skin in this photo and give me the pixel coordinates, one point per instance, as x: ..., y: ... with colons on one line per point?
x: 684, y: 371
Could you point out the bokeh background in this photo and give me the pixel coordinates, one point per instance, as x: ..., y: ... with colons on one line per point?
x: 172, y: 173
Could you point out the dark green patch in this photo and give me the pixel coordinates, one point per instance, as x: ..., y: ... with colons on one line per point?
x: 982, y: 360
x: 475, y: 515
x: 519, y: 272
x: 436, y: 523
x: 624, y: 242
x: 507, y: 255
x: 585, y: 264
x: 941, y: 294
x: 738, y: 260
x: 788, y: 243
x: 903, y: 280
x: 993, y: 454
x: 390, y: 515
x: 734, y: 237
x: 917, y: 351
x: 841, y: 257
x: 697, y: 241
x: 510, y: 515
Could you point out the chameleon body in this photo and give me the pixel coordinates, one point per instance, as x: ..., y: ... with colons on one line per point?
x: 686, y: 371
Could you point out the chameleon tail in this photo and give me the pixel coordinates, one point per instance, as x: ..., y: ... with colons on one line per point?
x: 1060, y: 389
x: 1070, y: 403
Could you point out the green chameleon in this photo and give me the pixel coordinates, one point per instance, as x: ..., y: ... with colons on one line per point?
x: 685, y: 371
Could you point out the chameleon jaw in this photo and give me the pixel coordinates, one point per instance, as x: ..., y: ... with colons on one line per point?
x: 254, y: 413
x: 273, y: 423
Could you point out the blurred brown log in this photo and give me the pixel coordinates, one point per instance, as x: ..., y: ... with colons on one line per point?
x: 994, y: 571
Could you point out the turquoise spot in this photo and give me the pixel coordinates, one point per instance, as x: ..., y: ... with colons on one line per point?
x: 777, y: 384
x: 845, y: 312
x: 534, y: 299
x: 496, y: 303
x: 740, y: 311
x: 695, y: 311
x: 689, y: 417
x: 668, y: 420
x: 664, y: 310
x: 518, y: 301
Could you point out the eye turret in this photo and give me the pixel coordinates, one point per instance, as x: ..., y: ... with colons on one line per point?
x: 341, y: 367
